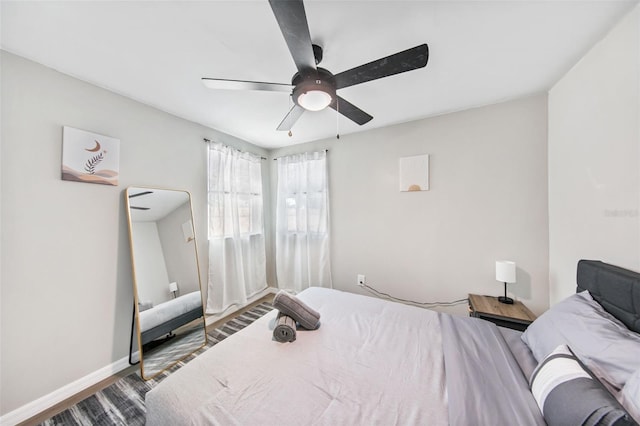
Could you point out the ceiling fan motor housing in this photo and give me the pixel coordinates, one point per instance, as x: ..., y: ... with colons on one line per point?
x: 312, y: 82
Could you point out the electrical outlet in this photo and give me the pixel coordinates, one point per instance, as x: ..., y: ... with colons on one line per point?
x: 361, y: 280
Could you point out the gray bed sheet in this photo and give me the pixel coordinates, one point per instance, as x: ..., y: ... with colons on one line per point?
x: 486, y: 384
x: 520, y: 351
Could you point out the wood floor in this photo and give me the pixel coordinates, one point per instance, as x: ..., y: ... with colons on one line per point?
x: 71, y: 401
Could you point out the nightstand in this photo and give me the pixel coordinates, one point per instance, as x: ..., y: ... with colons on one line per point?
x: 516, y: 316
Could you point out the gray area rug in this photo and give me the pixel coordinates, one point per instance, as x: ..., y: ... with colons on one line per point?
x: 122, y: 403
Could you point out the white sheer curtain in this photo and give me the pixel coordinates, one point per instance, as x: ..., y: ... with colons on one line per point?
x: 302, y: 222
x: 237, y: 265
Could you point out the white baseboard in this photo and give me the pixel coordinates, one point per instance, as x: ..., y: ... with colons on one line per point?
x: 41, y: 404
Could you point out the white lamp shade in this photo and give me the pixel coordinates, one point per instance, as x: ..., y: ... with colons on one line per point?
x: 173, y: 287
x: 505, y: 271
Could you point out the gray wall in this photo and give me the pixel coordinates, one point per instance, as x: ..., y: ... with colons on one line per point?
x: 179, y: 254
x: 66, y: 278
x: 488, y: 201
x: 594, y: 159
x: 152, y: 281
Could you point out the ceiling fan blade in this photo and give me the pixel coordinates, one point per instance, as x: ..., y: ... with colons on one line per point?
x: 140, y: 193
x: 218, y: 83
x: 350, y: 111
x: 291, y: 118
x: 292, y: 20
x: 407, y: 60
x: 140, y: 208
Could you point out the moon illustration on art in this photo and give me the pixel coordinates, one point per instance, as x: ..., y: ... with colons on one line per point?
x: 94, y: 149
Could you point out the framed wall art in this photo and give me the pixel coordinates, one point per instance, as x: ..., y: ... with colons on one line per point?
x: 414, y: 173
x: 90, y: 157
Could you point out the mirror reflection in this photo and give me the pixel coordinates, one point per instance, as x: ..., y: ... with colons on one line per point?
x: 170, y: 323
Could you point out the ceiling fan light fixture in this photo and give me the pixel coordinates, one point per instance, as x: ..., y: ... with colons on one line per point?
x: 314, y: 100
x: 314, y: 92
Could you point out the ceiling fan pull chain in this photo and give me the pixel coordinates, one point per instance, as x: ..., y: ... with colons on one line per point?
x: 290, y: 105
x: 337, y: 120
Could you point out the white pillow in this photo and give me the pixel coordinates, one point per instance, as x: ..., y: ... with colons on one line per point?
x: 607, y: 347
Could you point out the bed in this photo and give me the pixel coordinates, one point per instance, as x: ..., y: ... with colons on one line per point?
x: 161, y: 319
x: 376, y: 362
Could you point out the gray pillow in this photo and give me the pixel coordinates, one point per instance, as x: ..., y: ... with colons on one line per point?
x: 607, y: 347
x: 568, y: 394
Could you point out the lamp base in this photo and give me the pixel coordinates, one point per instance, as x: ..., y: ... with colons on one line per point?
x: 504, y: 299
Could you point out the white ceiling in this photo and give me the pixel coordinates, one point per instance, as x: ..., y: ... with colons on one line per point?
x: 481, y: 52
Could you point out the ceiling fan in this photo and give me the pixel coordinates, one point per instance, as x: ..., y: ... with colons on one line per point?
x: 313, y: 88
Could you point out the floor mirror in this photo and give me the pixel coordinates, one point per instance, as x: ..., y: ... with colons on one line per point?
x: 168, y: 315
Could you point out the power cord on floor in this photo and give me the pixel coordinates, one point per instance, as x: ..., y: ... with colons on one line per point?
x: 411, y: 302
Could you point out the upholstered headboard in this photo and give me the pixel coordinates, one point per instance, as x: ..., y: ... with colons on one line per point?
x: 615, y: 288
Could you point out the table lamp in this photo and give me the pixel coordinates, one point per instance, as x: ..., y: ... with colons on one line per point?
x: 173, y: 288
x: 506, y: 273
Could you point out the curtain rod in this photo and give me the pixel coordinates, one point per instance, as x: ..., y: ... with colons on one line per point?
x: 235, y: 149
x: 325, y: 150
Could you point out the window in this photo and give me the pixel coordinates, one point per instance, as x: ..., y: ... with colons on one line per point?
x: 237, y: 261
x: 235, y: 193
x: 302, y: 222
